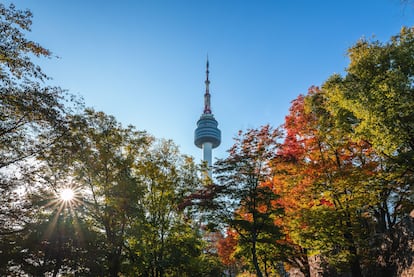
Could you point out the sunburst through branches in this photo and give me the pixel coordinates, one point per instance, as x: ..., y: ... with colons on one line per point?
x: 67, y: 194
x: 64, y: 209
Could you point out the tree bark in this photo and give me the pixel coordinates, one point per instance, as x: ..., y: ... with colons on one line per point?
x: 255, y: 262
x: 305, y: 268
x: 354, y: 263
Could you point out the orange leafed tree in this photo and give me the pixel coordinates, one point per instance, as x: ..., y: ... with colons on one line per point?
x: 322, y: 175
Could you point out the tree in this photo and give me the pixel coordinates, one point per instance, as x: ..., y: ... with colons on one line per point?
x: 168, y: 178
x: 100, y: 158
x: 378, y: 91
x: 293, y: 182
x: 16, y: 64
x: 376, y: 94
x: 243, y: 198
x: 326, y: 182
x: 58, y: 241
x: 129, y: 190
x: 333, y: 186
x: 226, y: 248
x: 32, y: 115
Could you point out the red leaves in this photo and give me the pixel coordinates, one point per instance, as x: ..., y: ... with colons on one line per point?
x: 325, y: 202
x: 202, y: 197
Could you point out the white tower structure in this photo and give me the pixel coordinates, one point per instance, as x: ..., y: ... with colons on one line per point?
x: 207, y: 136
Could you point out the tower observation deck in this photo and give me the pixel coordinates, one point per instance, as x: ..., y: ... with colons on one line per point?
x: 207, y: 136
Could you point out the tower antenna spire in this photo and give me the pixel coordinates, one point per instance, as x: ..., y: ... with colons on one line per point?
x: 207, y: 65
x: 207, y: 104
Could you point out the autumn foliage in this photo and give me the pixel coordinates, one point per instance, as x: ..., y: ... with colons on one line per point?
x: 332, y: 184
x: 341, y: 174
x: 226, y: 248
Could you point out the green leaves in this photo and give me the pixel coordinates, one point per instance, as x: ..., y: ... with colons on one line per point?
x: 378, y: 92
x: 130, y: 188
x: 33, y: 116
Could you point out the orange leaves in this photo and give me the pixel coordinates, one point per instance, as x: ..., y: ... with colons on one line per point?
x: 227, y: 246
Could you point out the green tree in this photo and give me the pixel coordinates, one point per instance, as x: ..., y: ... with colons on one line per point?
x: 171, y: 244
x: 59, y: 241
x: 378, y: 91
x: 101, y: 156
x: 96, y: 159
x: 374, y: 102
x: 32, y: 114
x: 129, y: 190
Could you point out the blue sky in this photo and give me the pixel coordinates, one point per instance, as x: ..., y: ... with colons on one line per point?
x: 144, y: 61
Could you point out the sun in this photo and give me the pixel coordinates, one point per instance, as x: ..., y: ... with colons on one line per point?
x: 67, y: 194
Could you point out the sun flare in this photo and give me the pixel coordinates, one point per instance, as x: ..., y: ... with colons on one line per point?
x: 67, y: 194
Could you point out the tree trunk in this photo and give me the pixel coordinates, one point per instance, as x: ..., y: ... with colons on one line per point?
x: 305, y: 268
x: 255, y: 262
x: 354, y: 263
x: 114, y: 264
x: 355, y: 266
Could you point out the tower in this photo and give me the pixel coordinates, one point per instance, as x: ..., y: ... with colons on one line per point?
x: 207, y: 136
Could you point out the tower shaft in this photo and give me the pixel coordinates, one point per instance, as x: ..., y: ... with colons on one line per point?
x: 207, y: 153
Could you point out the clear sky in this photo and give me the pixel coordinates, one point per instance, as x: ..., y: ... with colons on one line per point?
x: 143, y: 61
